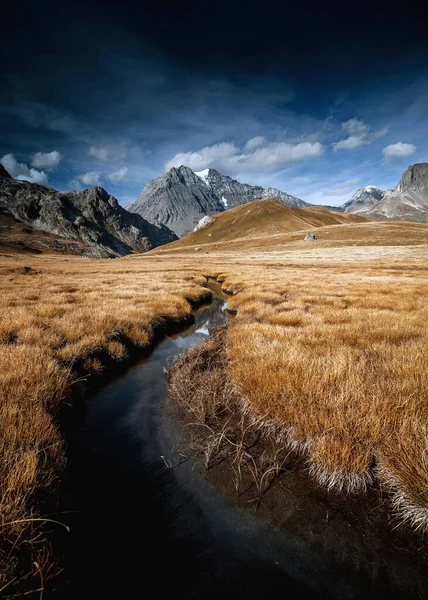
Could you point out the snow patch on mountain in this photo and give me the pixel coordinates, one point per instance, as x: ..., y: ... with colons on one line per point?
x: 223, y: 200
x: 203, y: 175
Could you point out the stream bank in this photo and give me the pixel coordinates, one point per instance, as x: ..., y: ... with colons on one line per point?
x: 133, y: 524
x: 148, y: 513
x: 339, y: 545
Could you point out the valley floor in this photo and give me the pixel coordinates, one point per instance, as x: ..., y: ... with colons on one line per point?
x: 328, y: 349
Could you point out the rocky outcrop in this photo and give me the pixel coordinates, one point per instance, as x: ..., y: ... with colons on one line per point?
x: 284, y: 198
x: 407, y: 202
x: 181, y: 197
x: 414, y: 181
x: 91, y: 216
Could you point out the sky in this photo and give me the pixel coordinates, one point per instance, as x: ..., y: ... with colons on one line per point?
x: 314, y: 99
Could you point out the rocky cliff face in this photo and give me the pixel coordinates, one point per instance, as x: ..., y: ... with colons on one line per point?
x: 91, y: 216
x: 181, y: 197
x: 407, y: 202
x: 414, y: 181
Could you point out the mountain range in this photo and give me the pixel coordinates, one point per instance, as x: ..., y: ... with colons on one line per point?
x: 408, y: 201
x: 90, y: 222
x: 181, y: 197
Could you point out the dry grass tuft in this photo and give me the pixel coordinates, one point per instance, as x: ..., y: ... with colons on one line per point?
x: 200, y: 383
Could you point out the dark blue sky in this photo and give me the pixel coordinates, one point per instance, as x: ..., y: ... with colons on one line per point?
x: 316, y: 99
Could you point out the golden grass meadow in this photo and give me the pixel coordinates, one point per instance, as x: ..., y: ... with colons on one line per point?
x: 328, y: 352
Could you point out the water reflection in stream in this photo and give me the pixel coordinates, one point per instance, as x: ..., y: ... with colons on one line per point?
x: 143, y: 529
x: 137, y: 532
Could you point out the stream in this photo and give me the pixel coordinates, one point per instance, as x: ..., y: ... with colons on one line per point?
x: 148, y: 522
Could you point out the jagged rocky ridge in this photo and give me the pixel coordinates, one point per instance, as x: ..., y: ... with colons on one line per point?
x: 91, y: 216
x: 181, y: 197
x: 407, y: 202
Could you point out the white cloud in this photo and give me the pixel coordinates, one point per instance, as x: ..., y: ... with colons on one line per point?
x: 255, y: 142
x: 258, y: 154
x: 46, y: 160
x: 94, y: 178
x: 398, y: 150
x: 359, y: 133
x: 21, y: 171
x: 276, y: 154
x: 204, y: 158
x: 99, y: 152
x: 350, y: 143
x: 106, y: 153
x: 342, y: 187
x: 118, y: 175
x: 91, y: 178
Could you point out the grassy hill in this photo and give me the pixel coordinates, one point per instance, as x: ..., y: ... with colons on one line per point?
x: 265, y: 217
x: 269, y: 225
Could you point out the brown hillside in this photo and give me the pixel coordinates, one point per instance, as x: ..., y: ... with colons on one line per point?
x: 262, y: 218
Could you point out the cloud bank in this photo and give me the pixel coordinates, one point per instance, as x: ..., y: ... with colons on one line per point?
x: 91, y: 178
x: 46, y: 160
x: 359, y: 133
x: 106, y: 153
x: 257, y: 154
x: 21, y: 171
x: 118, y: 175
x: 399, y: 151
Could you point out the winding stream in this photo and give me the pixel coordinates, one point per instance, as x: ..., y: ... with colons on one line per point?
x: 150, y: 523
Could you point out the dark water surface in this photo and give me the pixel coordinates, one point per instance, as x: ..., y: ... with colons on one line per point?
x: 143, y: 529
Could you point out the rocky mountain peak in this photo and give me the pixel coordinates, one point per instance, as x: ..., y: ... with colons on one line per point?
x: 363, y: 199
x: 180, y: 175
x: 95, y: 196
x: 92, y: 217
x: 414, y: 177
x: 182, y: 197
x: 407, y: 202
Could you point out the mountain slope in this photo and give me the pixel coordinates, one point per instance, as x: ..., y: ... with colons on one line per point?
x: 91, y: 217
x: 180, y: 198
x: 263, y: 218
x: 363, y: 199
x: 407, y: 202
x: 267, y: 226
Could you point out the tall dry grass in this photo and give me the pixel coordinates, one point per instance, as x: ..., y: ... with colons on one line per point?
x: 338, y: 359
x: 64, y: 320
x: 200, y: 383
x: 328, y: 351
